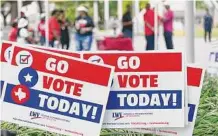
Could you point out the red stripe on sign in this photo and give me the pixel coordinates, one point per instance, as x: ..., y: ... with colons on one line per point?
x: 77, y: 69
x: 194, y: 76
x: 72, y: 54
x: 3, y: 49
x: 149, y: 62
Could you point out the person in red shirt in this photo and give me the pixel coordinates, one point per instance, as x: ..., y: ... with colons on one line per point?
x: 54, y: 28
x: 41, y: 29
x: 149, y: 27
x: 12, y: 36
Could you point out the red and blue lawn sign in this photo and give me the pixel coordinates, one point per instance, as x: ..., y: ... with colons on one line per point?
x: 6, y: 51
x: 55, y: 93
x: 147, y: 89
x: 213, y: 62
x: 195, y: 76
x: 5, y: 48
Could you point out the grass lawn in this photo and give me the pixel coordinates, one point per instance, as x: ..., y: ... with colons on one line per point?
x: 199, y: 32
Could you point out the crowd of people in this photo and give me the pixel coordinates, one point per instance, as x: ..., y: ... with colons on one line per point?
x: 166, y: 20
x: 58, y: 30
x: 21, y: 32
x: 59, y: 36
x: 149, y: 25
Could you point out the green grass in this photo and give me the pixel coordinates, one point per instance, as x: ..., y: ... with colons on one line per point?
x: 207, y: 118
x: 199, y: 32
x: 206, y: 123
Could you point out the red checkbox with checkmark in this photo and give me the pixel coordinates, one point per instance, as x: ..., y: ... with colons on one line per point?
x: 24, y: 59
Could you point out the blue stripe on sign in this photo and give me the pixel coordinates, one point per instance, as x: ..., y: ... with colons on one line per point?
x: 1, y: 87
x: 191, y: 112
x: 34, y: 102
x: 145, y: 99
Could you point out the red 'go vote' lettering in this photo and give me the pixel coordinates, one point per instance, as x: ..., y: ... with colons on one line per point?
x: 53, y: 65
x: 124, y: 63
x: 138, y: 80
x: 59, y: 85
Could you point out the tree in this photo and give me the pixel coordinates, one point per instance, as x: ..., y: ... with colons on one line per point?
x: 125, y: 3
x: 200, y: 4
x: 70, y: 8
x: 142, y: 4
x: 113, y: 8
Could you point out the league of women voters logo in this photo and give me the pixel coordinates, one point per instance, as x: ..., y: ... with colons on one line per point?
x: 27, y: 77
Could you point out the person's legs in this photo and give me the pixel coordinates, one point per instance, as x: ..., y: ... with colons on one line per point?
x: 147, y: 40
x: 168, y: 40
x: 42, y: 40
x: 205, y: 35
x: 87, y: 42
x: 67, y: 44
x: 78, y: 43
x: 150, y: 42
x: 127, y: 33
x: 165, y: 38
x: 51, y: 43
x: 209, y: 33
x: 62, y: 44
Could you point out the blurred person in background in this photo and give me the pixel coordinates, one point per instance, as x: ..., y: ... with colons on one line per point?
x: 149, y: 27
x: 168, y: 26
x: 22, y: 33
x: 41, y: 29
x: 65, y: 37
x: 54, y: 28
x: 84, y: 26
x: 114, y: 24
x: 208, y: 24
x: 31, y: 39
x: 12, y: 36
x: 127, y: 22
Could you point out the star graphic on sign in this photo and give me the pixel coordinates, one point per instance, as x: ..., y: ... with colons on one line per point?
x: 28, y: 78
x: 20, y: 94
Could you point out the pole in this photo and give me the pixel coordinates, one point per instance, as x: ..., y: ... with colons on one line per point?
x: 156, y: 26
x: 189, y: 31
x: 19, y: 6
x: 95, y: 7
x: 120, y: 9
x: 136, y: 13
x: 46, y: 22
x: 106, y: 13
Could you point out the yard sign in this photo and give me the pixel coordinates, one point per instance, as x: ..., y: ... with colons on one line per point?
x: 147, y: 89
x: 55, y: 93
x: 195, y: 76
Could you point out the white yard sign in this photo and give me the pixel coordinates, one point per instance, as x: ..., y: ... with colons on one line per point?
x: 147, y: 90
x: 55, y: 93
